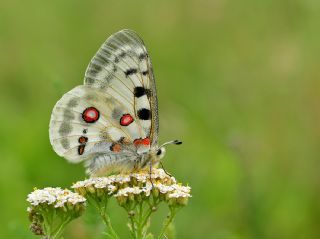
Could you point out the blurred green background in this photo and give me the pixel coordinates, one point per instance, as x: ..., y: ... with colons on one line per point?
x: 238, y: 82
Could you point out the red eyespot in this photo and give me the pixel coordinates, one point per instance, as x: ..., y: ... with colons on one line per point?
x: 90, y: 115
x: 145, y: 141
x: 126, y: 119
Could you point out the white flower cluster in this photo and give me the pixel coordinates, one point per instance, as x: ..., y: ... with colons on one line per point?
x: 128, y: 190
x: 180, y: 191
x: 136, y: 185
x: 95, y: 183
x: 54, y: 196
x: 173, y: 191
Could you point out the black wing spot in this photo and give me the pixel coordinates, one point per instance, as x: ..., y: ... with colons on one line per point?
x: 141, y: 91
x: 131, y: 72
x: 144, y: 114
x: 145, y: 72
x: 143, y: 56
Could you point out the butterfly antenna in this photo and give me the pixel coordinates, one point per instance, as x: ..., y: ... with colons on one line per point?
x: 176, y: 142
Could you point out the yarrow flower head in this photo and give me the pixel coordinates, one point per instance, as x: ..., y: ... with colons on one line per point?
x: 95, y: 188
x: 179, y: 196
x: 127, y: 188
x: 55, y: 205
x: 139, y: 193
x: 56, y: 197
x: 158, y: 185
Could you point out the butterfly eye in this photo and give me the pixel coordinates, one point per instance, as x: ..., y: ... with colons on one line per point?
x: 159, y: 152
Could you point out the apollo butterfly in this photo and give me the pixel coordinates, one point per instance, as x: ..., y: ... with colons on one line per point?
x: 111, y: 121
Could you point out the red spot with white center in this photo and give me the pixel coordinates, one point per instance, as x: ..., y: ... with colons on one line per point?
x: 126, y: 119
x: 90, y: 115
x: 145, y: 141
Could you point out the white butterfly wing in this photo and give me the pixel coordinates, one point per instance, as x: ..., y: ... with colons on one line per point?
x: 86, y: 122
x: 122, y: 68
x: 113, y: 117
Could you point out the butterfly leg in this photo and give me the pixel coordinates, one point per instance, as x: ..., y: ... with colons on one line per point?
x: 150, y: 175
x: 135, y: 166
x: 165, y: 170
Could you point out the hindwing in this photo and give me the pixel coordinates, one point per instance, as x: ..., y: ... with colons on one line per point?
x: 87, y: 121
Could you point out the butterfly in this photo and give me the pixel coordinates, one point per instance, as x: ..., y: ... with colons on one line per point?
x: 111, y: 121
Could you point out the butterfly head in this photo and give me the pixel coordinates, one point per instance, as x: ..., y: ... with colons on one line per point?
x: 161, y: 150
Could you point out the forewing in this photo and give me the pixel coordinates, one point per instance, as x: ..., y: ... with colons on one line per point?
x: 122, y: 68
x: 85, y: 122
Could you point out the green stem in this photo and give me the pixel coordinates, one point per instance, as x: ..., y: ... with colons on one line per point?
x: 146, y: 217
x: 148, y: 214
x: 140, y: 215
x: 133, y: 228
x: 142, y: 219
x: 59, y: 231
x: 167, y: 222
x: 47, y: 223
x: 104, y: 215
x: 46, y: 228
x: 107, y: 221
